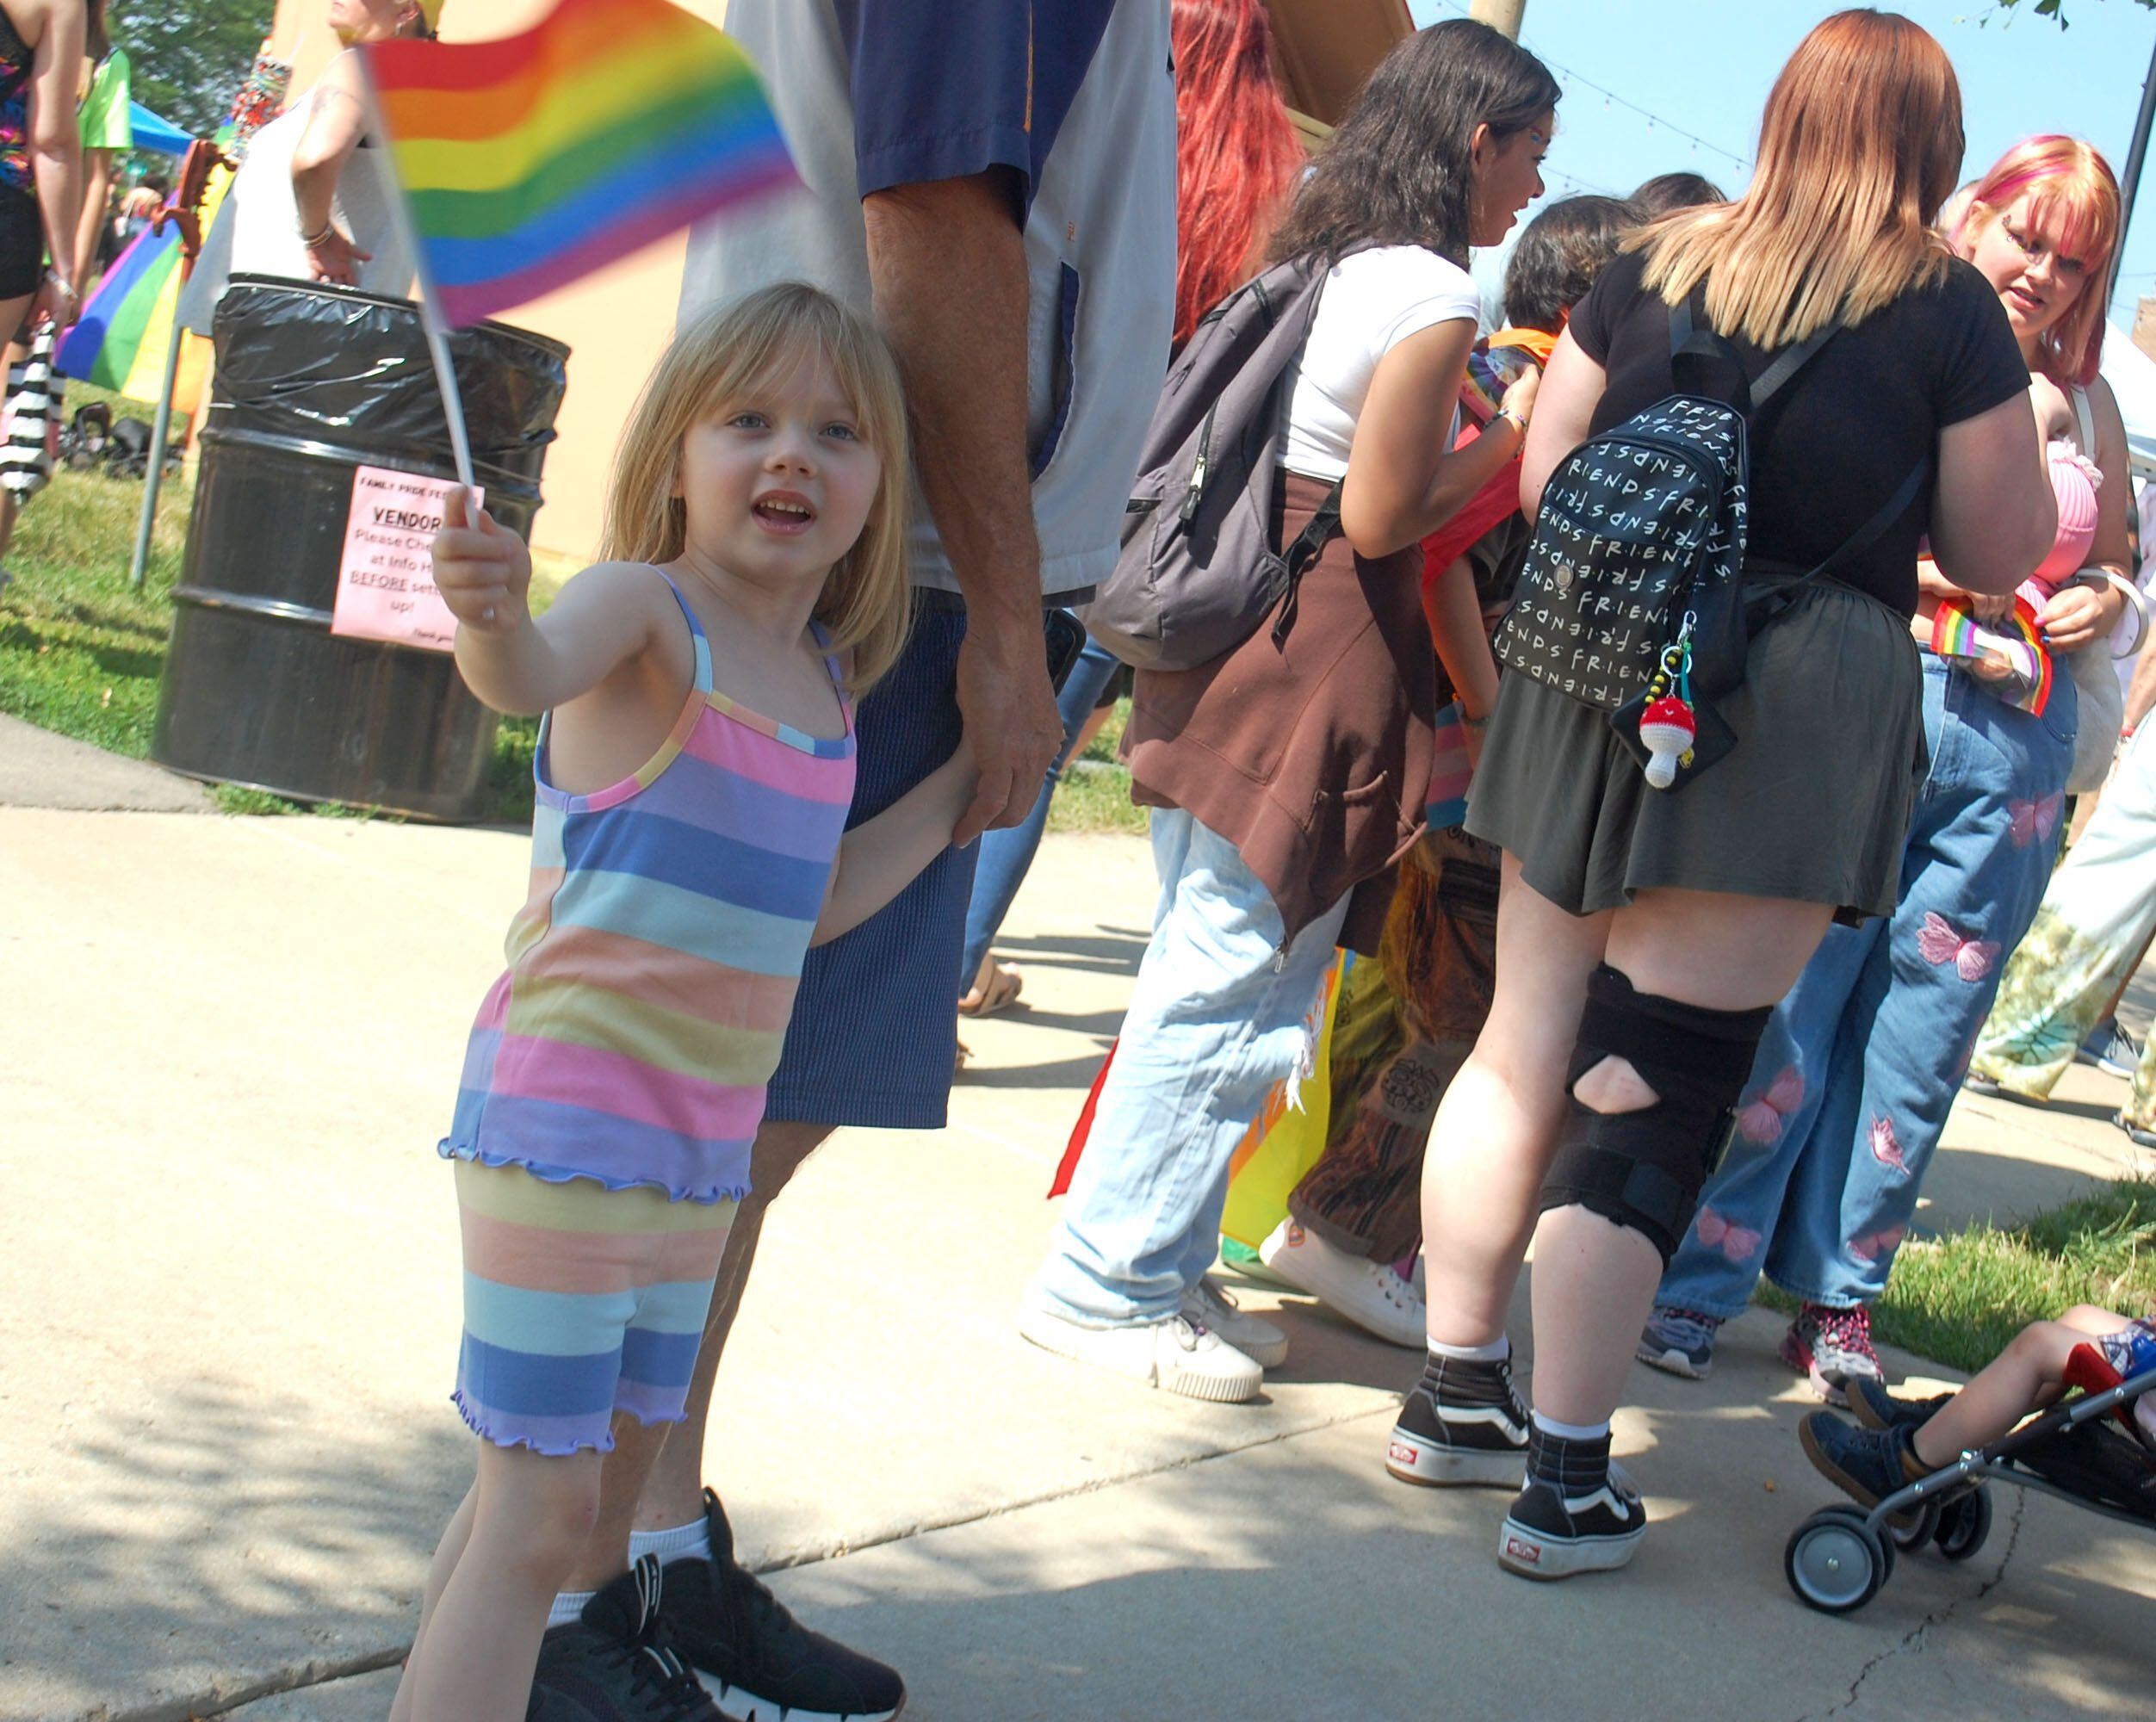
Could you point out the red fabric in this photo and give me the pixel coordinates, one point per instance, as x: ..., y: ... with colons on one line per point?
x: 2088, y: 1369
x: 1494, y: 502
x: 1083, y: 1128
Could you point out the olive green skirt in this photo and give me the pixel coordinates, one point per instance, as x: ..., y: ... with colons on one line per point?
x: 1813, y: 803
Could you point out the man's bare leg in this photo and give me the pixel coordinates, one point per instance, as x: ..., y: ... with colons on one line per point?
x: 673, y: 1493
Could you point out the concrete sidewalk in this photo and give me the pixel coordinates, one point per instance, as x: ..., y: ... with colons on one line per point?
x: 228, y: 1323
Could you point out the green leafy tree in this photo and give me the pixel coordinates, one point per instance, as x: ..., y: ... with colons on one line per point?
x: 189, y: 56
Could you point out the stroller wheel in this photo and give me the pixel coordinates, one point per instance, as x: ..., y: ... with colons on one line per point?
x: 1964, y: 1524
x: 1835, y: 1562
x: 1912, y: 1533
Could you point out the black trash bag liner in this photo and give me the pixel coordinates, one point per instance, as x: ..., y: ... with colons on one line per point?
x: 329, y: 364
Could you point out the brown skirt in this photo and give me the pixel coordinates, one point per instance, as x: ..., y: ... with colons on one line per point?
x: 1813, y: 803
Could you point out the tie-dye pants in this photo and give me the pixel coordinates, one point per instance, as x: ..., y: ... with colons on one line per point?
x: 2096, y: 919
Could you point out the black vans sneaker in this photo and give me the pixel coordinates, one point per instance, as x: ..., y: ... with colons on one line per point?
x: 760, y: 1663
x: 1461, y: 1425
x: 616, y: 1662
x: 1575, y: 1514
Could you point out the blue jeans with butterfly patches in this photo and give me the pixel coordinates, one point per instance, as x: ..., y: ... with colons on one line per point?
x: 1861, y: 1062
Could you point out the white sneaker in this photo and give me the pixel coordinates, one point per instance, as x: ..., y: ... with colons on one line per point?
x: 1369, y: 1293
x: 1172, y: 1354
x: 1206, y: 1305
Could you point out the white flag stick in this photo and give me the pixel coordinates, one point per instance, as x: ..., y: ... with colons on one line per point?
x: 431, y: 319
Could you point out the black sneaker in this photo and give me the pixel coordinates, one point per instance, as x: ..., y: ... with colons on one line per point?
x: 1877, y: 1409
x: 616, y: 1662
x: 1461, y: 1425
x: 753, y: 1656
x: 1576, y: 1513
x: 1866, y: 1464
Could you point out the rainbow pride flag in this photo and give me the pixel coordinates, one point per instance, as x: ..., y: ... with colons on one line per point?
x: 2011, y: 652
x: 535, y: 159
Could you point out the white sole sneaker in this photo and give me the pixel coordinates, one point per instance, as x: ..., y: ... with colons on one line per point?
x: 1368, y: 1293
x: 1205, y: 1305
x: 1172, y: 1355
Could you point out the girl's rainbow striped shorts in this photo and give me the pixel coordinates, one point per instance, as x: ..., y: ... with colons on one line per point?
x: 580, y: 1301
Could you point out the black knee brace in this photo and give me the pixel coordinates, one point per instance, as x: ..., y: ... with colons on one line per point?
x: 1643, y: 1169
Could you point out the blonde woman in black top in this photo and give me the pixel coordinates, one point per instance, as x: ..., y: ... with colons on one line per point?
x: 1643, y: 935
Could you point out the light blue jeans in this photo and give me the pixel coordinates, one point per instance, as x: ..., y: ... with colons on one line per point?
x: 1221, y: 1010
x: 1861, y: 1062
x: 1007, y: 855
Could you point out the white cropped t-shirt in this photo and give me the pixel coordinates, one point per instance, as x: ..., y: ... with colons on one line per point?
x: 1372, y: 301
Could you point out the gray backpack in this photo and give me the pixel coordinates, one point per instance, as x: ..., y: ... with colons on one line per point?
x: 1198, y: 573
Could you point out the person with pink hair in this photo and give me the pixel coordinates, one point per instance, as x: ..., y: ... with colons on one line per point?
x: 1860, y: 1065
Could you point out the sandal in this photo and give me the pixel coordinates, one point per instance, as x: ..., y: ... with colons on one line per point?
x: 994, y: 989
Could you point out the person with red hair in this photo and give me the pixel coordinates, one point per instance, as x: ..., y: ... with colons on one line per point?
x: 1237, y: 155
x: 1860, y: 1064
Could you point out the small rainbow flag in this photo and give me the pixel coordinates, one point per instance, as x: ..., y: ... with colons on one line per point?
x: 529, y: 161
x: 2014, y: 645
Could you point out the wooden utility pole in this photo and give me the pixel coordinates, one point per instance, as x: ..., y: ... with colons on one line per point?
x: 1503, y: 15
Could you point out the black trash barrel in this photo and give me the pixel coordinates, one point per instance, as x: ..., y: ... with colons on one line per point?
x: 312, y: 383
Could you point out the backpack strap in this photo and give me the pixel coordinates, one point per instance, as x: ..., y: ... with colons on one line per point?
x: 1691, y: 335
x: 1770, y: 606
x: 1311, y: 540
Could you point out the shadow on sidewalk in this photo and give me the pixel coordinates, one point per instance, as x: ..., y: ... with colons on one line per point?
x: 228, y: 1542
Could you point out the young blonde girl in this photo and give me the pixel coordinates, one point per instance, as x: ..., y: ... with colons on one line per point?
x: 694, y: 772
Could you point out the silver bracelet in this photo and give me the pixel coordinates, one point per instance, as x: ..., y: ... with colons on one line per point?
x: 311, y: 241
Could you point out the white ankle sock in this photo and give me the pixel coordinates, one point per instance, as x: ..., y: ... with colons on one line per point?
x: 1570, y: 1432
x: 568, y: 1607
x: 684, y: 1542
x: 1496, y: 1352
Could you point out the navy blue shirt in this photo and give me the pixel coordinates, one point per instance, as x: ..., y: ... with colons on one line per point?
x: 956, y: 88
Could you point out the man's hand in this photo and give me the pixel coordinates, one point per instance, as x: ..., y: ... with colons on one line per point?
x: 1012, y: 725
x: 481, y: 568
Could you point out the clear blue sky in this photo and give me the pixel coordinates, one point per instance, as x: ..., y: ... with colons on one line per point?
x: 1704, y: 66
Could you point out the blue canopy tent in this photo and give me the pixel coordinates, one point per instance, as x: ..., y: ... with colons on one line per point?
x: 152, y: 132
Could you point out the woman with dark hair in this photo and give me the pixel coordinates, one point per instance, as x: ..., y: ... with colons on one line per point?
x: 1287, y: 779
x: 1667, y: 193
x: 1643, y: 934
x: 1237, y: 157
x: 1406, y: 1022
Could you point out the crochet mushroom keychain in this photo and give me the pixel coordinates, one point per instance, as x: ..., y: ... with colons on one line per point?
x: 1667, y: 728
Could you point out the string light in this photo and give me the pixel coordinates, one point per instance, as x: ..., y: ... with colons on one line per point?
x: 1610, y: 96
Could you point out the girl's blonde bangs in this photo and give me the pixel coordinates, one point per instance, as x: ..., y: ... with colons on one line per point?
x: 726, y: 352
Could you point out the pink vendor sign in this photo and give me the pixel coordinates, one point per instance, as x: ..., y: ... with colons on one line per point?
x: 385, y: 587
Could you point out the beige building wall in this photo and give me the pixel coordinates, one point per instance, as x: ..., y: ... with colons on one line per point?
x: 615, y: 323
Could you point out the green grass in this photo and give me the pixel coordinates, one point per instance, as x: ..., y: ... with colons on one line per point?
x: 1960, y: 1298
x: 82, y: 651
x: 1095, y: 794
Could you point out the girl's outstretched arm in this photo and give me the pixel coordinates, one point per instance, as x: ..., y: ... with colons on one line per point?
x: 515, y: 664
x: 881, y: 856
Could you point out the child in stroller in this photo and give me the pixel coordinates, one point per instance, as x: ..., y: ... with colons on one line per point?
x: 1902, y: 1441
